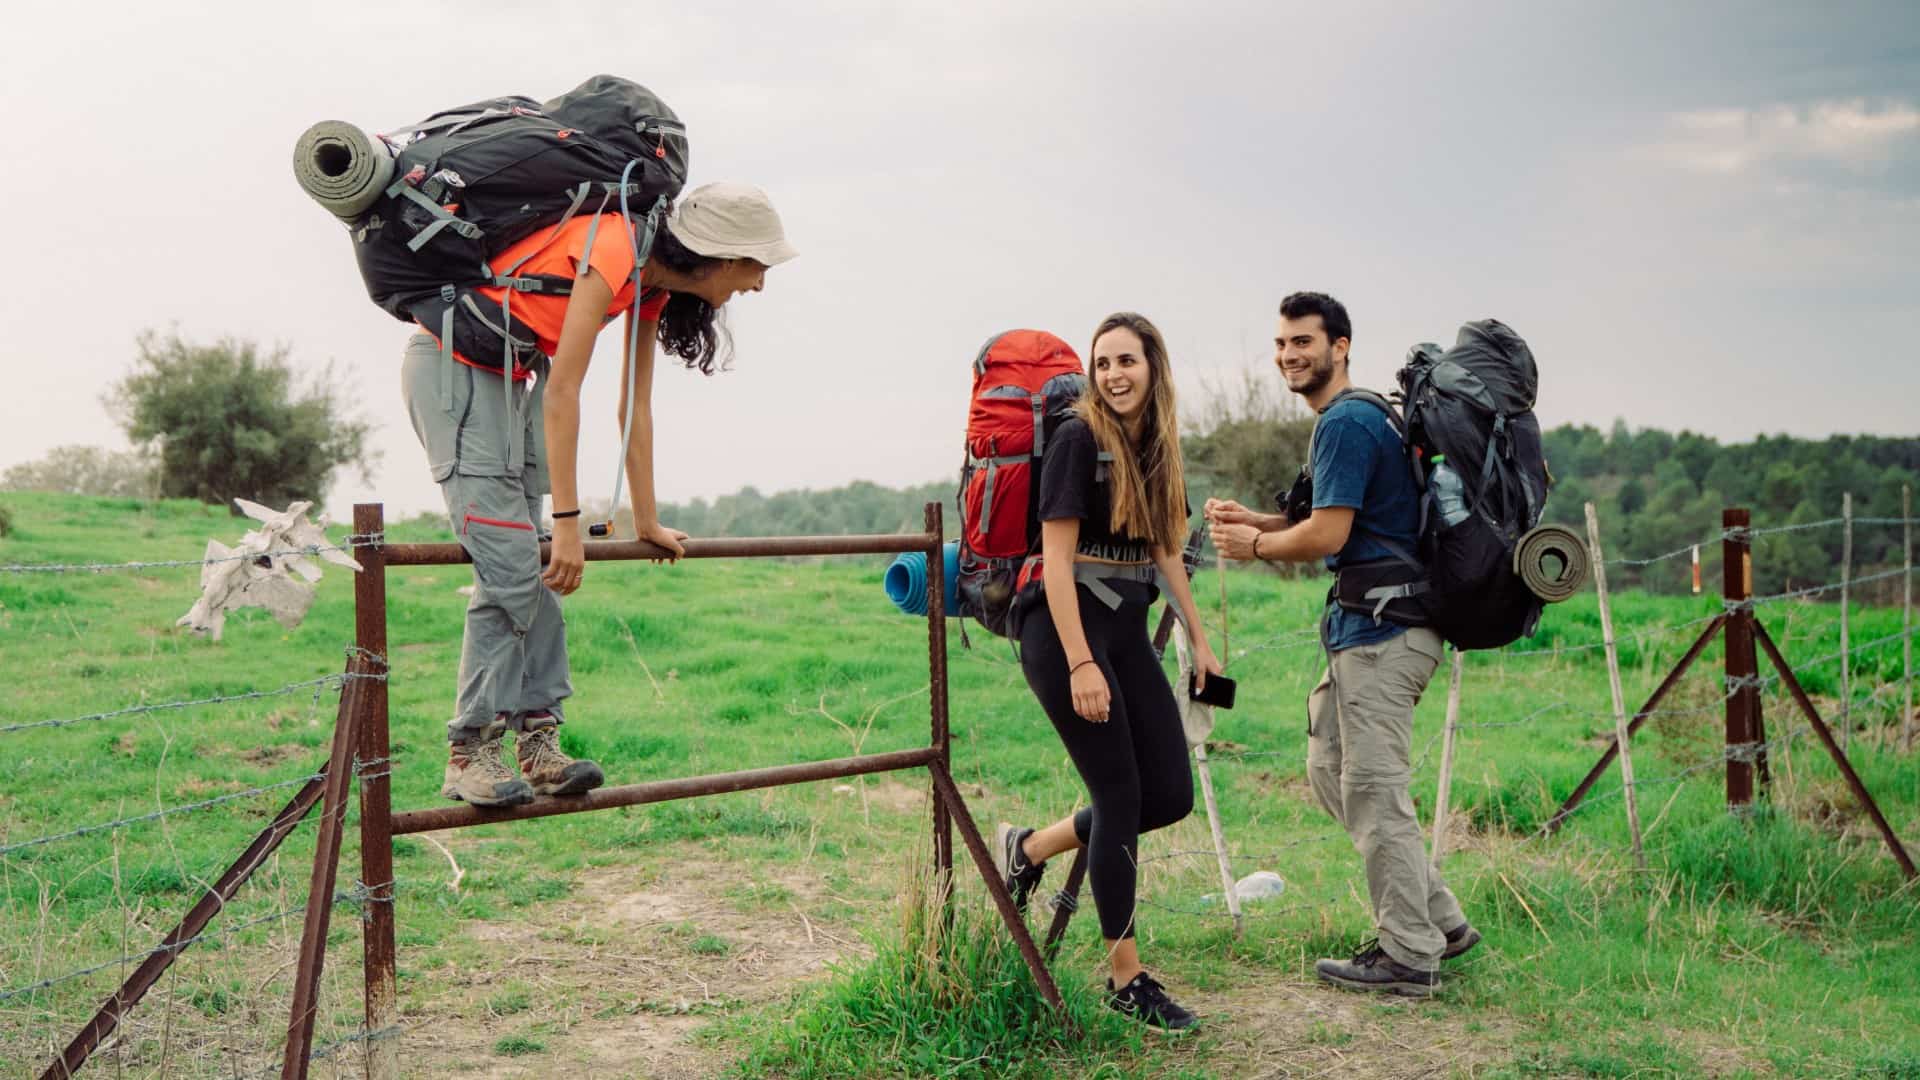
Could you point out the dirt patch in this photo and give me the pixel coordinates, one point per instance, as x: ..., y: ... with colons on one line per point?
x: 273, y: 754
x: 626, y: 970
x: 1303, y: 1028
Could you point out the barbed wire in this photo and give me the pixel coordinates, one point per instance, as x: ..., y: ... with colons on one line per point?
x: 354, y: 542
x: 329, y: 1049
x: 187, y: 808
x: 1676, y: 553
x: 1813, y: 590
x: 355, y: 895
x: 337, y: 678
x: 1638, y: 635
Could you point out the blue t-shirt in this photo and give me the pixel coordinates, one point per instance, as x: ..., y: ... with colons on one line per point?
x: 1359, y: 462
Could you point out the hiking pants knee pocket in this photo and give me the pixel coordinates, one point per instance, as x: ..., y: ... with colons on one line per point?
x: 491, y: 517
x: 1378, y: 687
x: 1323, y: 747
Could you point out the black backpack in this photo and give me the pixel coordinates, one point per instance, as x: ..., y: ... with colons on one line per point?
x: 1470, y: 406
x: 1473, y: 404
x: 470, y: 182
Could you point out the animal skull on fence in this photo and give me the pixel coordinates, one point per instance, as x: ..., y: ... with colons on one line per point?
x: 259, y: 571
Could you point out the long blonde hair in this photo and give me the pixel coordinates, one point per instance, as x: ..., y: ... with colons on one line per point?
x: 1148, y: 483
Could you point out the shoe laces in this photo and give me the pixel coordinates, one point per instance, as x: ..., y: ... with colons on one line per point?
x: 1148, y: 992
x: 540, y: 748
x: 1370, y: 952
x: 487, y: 758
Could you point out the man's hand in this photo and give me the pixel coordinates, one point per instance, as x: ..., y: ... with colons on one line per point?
x: 1235, y: 541
x: 568, y: 561
x: 1228, y: 512
x: 662, y: 536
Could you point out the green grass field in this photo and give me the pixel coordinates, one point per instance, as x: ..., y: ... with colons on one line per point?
x: 786, y: 933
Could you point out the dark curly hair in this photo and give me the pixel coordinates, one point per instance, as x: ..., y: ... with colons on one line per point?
x: 689, y: 327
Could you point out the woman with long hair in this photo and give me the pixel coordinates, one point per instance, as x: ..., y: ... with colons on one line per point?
x: 1108, y: 531
x: 496, y: 449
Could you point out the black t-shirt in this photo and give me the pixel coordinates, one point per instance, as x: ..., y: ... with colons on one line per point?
x: 1068, y: 489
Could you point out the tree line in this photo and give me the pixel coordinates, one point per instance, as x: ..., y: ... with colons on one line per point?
x: 215, y: 421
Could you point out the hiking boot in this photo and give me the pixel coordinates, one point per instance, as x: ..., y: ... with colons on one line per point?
x: 477, y: 771
x: 1459, y: 940
x: 1021, y: 877
x: 547, y: 767
x: 1145, y: 1000
x: 1372, y: 969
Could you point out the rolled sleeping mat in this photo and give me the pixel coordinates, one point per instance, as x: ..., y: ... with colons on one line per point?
x: 342, y: 167
x: 906, y: 580
x: 1552, y: 562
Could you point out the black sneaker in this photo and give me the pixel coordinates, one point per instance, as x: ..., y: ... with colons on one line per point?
x: 1372, y: 969
x: 1459, y: 940
x: 1146, y: 1000
x: 1021, y: 877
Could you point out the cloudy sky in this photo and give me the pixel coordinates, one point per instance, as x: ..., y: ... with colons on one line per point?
x: 1702, y: 214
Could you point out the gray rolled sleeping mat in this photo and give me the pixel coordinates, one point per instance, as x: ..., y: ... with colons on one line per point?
x: 342, y: 167
x: 1552, y: 561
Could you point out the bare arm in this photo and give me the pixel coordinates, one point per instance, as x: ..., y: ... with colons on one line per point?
x: 639, y: 463
x: 1058, y: 542
x: 561, y: 415
x: 1324, y: 533
x: 1175, y: 571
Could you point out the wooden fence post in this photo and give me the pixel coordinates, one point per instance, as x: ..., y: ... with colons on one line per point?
x: 1846, y: 596
x: 1443, y: 796
x: 1613, y: 681
x: 1906, y: 616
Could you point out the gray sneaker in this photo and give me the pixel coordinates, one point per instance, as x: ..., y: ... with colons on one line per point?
x: 1373, y: 969
x: 547, y: 767
x: 477, y: 771
x: 1459, y: 940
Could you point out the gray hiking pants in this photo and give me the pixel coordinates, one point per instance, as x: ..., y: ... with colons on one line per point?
x: 485, y: 446
x: 1359, y: 741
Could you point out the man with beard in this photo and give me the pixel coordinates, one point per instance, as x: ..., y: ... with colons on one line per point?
x: 1364, y: 522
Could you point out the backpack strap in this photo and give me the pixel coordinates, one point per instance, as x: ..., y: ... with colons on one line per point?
x: 442, y: 217
x: 1096, y: 575
x: 1419, y: 482
x: 447, y: 294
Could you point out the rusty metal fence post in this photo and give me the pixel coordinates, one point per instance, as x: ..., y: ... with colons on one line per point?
x: 1742, y: 668
x: 937, y: 702
x: 376, y: 799
x: 326, y: 863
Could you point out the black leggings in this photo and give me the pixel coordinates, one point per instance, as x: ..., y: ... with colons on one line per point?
x: 1134, y: 765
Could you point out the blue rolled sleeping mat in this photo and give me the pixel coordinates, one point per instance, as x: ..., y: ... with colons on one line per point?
x: 906, y: 580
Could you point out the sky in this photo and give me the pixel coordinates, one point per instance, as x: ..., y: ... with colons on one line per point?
x: 1702, y: 215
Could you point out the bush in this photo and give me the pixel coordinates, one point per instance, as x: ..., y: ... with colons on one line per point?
x: 6, y: 520
x: 226, y: 421
x: 86, y: 470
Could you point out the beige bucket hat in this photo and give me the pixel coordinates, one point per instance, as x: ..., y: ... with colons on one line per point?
x: 730, y: 221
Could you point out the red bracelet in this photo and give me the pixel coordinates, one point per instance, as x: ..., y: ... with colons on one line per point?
x: 1079, y: 665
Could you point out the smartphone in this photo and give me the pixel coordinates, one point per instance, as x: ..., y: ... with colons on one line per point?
x: 1218, y: 692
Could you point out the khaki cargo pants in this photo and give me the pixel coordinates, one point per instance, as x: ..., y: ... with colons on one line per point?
x: 1359, y: 740
x: 486, y: 448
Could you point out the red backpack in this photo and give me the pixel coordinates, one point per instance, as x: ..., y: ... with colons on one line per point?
x: 1024, y: 383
